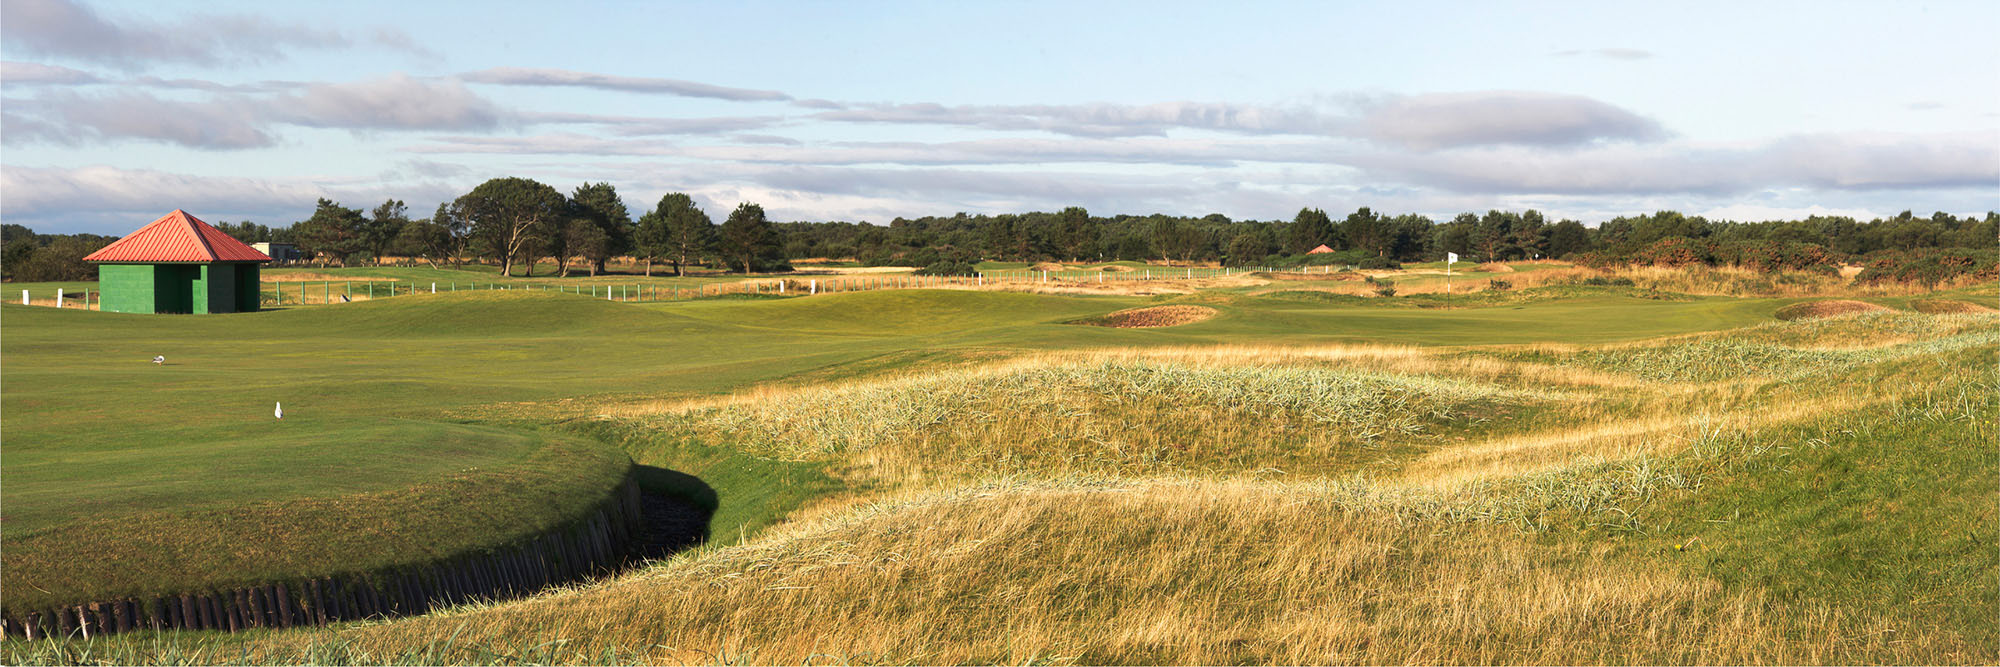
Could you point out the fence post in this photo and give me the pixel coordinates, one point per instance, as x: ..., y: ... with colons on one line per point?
x: 59, y: 297
x: 434, y: 288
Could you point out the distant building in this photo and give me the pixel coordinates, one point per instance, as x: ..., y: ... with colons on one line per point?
x: 282, y: 253
x: 1322, y: 248
x: 178, y: 264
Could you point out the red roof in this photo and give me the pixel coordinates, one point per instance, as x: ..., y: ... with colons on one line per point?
x: 177, y: 237
x: 1319, y: 250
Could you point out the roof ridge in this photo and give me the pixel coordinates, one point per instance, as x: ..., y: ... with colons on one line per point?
x: 194, y: 227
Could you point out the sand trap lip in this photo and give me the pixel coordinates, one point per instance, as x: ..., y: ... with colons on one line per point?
x: 1948, y: 307
x: 1829, y: 308
x: 1151, y: 318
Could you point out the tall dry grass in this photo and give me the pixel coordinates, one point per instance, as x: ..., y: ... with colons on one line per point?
x: 1180, y: 573
x: 1135, y: 413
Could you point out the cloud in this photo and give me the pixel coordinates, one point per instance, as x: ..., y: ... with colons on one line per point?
x: 525, y: 76
x: 238, y: 121
x: 396, y: 102
x: 638, y: 126
x: 69, y: 118
x: 19, y: 73
x: 111, y: 200
x: 1445, y: 120
x: 1096, y: 120
x: 1858, y: 161
x: 68, y: 30
x: 1608, y: 53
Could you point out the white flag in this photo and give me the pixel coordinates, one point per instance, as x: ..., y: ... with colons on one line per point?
x: 1450, y: 257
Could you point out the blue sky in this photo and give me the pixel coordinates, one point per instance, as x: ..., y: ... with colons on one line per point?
x: 112, y: 113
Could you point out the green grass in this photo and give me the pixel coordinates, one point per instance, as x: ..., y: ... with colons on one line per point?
x: 418, y: 428
x: 383, y: 398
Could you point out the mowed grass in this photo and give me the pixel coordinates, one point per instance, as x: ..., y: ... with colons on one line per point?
x: 1857, y: 530
x: 80, y: 395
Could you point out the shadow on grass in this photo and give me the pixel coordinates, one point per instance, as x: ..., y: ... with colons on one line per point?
x: 676, y: 508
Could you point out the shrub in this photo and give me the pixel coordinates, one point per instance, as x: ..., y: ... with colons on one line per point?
x: 1378, y: 263
x: 1929, y: 266
x: 1498, y: 284
x: 947, y: 267
x: 1385, y: 290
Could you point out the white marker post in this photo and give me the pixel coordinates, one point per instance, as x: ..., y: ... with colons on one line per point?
x: 59, y: 297
x: 434, y: 288
x: 1449, y: 259
x: 24, y: 297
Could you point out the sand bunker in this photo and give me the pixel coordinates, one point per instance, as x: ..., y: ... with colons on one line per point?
x: 1816, y: 309
x: 1948, y: 307
x: 1147, y: 318
x: 1048, y: 266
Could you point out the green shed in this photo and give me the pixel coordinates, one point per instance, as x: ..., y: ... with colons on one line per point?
x: 178, y: 264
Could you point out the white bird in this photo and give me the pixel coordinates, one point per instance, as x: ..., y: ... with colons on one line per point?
x: 280, y: 412
x: 160, y: 359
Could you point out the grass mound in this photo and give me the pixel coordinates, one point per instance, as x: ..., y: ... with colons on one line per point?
x: 1156, y: 574
x: 1947, y: 307
x: 1493, y: 267
x: 188, y: 547
x: 1123, y: 414
x: 1828, y: 308
x: 1152, y: 317
x: 1048, y: 266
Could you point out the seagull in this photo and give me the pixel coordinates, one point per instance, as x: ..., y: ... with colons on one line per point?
x: 159, y: 359
x: 280, y: 412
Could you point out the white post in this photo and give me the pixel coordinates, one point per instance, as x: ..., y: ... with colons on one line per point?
x: 607, y: 292
x: 434, y: 288
x: 59, y: 296
x: 24, y: 297
x: 781, y: 285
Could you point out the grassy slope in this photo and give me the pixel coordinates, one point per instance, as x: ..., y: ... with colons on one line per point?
x: 1851, y: 535
x: 368, y: 378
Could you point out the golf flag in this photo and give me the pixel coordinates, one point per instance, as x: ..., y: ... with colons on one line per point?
x: 1450, y: 257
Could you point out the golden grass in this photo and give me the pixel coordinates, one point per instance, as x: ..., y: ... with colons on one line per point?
x: 1172, y: 572
x: 1152, y: 317
x: 1948, y: 307
x: 1828, y: 308
x: 1226, y: 410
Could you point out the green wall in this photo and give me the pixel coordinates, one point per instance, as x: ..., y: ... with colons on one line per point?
x: 125, y: 288
x: 178, y: 288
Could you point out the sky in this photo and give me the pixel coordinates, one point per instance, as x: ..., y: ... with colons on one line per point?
x: 114, y: 113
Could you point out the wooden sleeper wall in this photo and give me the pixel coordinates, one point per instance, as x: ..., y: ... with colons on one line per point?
x: 598, y: 544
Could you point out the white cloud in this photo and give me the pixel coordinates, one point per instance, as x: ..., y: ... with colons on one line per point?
x: 1522, y: 118
x: 530, y: 76
x: 69, y: 30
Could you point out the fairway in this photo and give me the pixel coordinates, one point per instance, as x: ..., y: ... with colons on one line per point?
x: 483, y: 418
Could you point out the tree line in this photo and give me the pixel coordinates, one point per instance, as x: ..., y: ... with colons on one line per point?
x: 517, y: 223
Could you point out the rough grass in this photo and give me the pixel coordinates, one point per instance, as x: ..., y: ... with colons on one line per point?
x: 1151, y: 317
x: 1769, y: 494
x: 1068, y: 414
x: 1829, y: 308
x: 1948, y: 306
